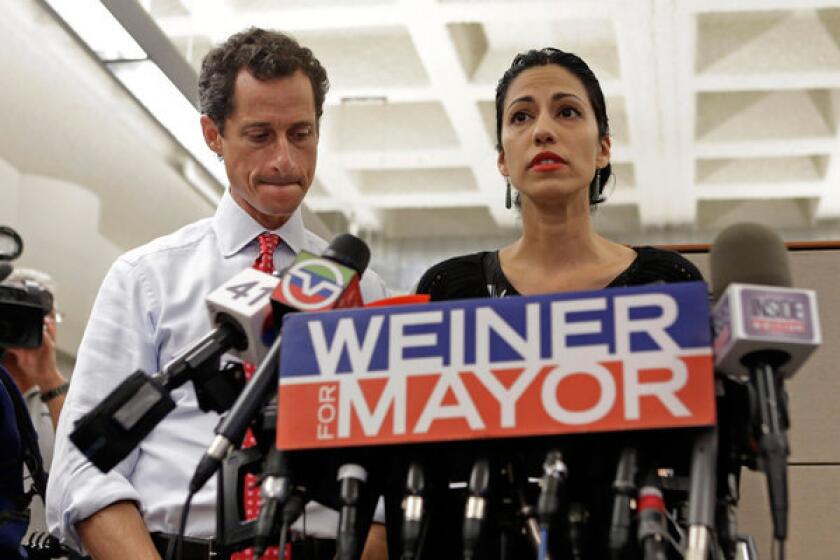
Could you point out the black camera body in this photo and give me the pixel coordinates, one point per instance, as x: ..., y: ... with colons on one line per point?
x: 22, y: 307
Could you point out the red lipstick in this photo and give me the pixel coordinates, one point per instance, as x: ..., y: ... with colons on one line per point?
x: 547, y: 161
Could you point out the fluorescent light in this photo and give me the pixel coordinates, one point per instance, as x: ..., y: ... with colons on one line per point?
x: 95, y: 25
x: 163, y: 100
x: 91, y: 21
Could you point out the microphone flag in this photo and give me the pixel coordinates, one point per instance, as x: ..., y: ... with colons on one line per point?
x: 614, y: 359
x: 749, y: 318
x: 315, y: 283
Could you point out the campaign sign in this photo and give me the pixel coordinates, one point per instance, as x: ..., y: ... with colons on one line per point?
x: 615, y: 359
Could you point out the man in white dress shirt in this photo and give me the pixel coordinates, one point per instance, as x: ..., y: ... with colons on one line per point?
x: 261, y: 100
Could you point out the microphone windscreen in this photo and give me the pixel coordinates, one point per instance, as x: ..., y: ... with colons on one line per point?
x: 350, y: 251
x: 748, y: 254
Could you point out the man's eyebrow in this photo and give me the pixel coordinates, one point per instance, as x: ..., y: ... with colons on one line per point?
x: 257, y: 124
x: 262, y: 124
x: 555, y: 97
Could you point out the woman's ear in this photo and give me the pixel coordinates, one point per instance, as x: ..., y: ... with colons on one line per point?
x: 604, y: 152
x: 502, y: 164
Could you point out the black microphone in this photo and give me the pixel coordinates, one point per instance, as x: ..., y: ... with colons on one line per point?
x: 292, y: 509
x: 241, y: 310
x: 351, y: 479
x: 275, y: 490
x: 311, y: 283
x: 552, y: 485
x: 415, y: 486
x: 764, y: 331
x: 476, y: 507
x: 624, y: 488
x: 653, y: 531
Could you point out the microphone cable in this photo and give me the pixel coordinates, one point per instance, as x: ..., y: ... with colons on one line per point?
x: 777, y: 549
x: 292, y: 509
x: 173, y: 551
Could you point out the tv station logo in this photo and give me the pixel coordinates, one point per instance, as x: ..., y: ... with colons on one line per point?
x: 314, y: 283
x: 776, y: 312
x: 617, y: 359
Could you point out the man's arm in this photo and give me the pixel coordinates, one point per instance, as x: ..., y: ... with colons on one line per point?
x: 117, y: 532
x: 117, y: 341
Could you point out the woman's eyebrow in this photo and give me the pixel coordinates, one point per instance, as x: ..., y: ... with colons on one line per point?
x: 555, y: 97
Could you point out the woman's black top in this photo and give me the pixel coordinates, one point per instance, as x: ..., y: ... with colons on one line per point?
x: 480, y: 274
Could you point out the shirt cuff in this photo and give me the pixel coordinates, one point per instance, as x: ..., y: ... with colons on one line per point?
x: 85, y: 494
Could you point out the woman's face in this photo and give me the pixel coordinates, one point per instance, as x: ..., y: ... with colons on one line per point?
x: 550, y: 142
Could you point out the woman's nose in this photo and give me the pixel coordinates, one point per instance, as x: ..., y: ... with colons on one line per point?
x: 543, y: 133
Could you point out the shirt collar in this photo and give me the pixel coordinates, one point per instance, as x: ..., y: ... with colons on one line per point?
x: 235, y: 228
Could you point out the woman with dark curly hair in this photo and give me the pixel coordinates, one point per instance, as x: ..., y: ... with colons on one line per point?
x: 554, y: 144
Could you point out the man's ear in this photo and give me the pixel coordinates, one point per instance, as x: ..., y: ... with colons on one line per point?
x: 212, y: 134
x: 502, y: 164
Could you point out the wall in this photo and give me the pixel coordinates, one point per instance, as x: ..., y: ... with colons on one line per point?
x: 814, y: 474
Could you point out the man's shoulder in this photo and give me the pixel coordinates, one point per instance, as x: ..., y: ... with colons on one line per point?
x: 313, y: 242
x: 183, y: 239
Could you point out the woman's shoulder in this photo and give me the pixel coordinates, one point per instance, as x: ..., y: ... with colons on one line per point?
x: 455, y: 278
x: 662, y: 265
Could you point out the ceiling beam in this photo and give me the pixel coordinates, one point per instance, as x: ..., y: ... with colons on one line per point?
x: 437, y: 52
x: 157, y: 45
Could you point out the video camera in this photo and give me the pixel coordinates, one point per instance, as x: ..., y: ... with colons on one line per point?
x: 22, y: 306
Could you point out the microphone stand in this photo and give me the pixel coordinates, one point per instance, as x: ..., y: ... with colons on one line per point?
x: 231, y: 428
x: 702, y: 492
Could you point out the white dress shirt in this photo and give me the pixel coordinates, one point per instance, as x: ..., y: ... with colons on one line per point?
x: 151, y: 306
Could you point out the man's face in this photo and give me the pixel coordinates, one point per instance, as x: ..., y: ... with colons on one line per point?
x: 269, y: 146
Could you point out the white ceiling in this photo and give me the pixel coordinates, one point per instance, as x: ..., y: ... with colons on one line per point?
x: 714, y: 104
x: 721, y: 111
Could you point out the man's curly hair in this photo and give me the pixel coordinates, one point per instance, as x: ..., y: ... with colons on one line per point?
x: 266, y: 55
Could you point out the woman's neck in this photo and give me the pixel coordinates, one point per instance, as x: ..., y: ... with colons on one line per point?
x: 560, y: 251
x: 558, y: 237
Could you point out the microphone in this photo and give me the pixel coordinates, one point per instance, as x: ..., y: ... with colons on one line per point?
x: 275, y: 490
x: 311, y: 283
x: 763, y: 332
x: 351, y: 478
x: 552, y: 483
x: 653, y: 532
x: 476, y: 508
x: 624, y: 487
x: 415, y: 485
x: 292, y: 509
x: 240, y: 309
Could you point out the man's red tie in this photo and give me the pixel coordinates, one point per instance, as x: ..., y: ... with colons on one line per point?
x: 265, y: 263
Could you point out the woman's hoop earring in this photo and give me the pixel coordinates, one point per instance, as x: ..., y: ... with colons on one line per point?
x: 508, y: 202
